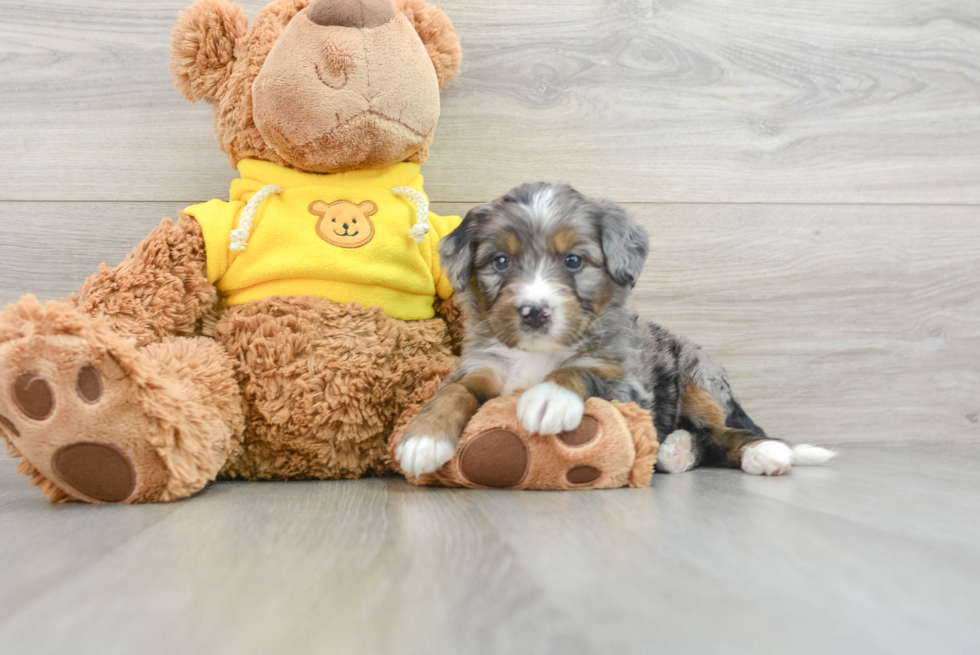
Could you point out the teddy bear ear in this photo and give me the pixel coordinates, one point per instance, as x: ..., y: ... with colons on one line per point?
x: 438, y: 35
x: 202, y: 51
x: 369, y: 208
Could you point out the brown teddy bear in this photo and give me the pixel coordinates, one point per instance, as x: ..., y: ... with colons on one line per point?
x: 141, y: 388
x: 332, y: 323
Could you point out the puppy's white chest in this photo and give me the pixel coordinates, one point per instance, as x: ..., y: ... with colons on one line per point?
x: 523, y: 370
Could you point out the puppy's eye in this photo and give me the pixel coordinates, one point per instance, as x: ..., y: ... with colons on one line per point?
x: 573, y: 262
x: 501, y: 263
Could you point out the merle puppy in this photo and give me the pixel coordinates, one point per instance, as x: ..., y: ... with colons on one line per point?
x: 544, y: 275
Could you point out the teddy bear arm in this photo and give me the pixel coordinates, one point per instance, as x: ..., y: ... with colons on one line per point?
x: 159, y: 290
x: 450, y: 311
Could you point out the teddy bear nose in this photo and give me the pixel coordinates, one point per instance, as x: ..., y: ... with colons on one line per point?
x: 358, y: 14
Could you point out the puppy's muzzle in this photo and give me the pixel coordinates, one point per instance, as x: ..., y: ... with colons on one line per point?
x: 535, y: 316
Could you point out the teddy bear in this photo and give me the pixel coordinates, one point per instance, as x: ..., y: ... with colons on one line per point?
x: 293, y: 330
x: 279, y: 334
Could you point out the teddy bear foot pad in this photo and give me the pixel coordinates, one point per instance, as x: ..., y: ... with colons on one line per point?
x: 501, y: 459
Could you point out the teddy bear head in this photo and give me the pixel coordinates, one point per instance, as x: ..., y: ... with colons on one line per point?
x: 322, y: 86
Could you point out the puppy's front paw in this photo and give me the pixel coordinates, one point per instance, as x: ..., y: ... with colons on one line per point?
x: 547, y: 408
x: 769, y: 457
x: 423, y: 454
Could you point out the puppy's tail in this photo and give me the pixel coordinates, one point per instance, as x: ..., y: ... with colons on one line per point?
x: 806, y: 455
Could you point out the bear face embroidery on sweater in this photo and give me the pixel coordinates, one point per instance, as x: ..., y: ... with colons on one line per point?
x: 343, y: 223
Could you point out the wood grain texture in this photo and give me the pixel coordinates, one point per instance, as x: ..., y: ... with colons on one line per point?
x: 837, y: 323
x: 641, y: 100
x: 876, y: 553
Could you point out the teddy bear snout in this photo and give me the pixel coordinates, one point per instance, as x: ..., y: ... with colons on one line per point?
x: 359, y: 14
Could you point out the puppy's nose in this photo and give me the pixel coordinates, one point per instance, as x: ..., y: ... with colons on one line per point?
x: 535, y: 316
x: 359, y: 14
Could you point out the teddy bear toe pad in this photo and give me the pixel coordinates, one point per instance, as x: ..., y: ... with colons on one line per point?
x: 495, y: 458
x: 585, y: 433
x: 33, y: 396
x: 583, y: 474
x: 89, y: 385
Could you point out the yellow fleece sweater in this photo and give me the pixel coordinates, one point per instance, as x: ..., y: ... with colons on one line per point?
x: 343, y: 236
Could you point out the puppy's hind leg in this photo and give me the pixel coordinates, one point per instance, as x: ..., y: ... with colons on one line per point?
x: 681, y: 442
x: 732, y: 438
x: 682, y: 449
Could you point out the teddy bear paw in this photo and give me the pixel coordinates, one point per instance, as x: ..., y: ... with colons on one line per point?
x: 66, y: 406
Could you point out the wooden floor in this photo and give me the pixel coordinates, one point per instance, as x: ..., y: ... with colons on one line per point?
x: 878, y: 553
x: 810, y: 176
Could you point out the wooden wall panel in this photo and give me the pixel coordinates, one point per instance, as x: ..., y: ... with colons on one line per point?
x: 837, y: 323
x: 641, y: 100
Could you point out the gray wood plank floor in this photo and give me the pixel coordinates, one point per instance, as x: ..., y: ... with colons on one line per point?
x: 878, y: 553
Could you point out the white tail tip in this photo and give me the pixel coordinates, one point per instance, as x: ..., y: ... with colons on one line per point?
x: 807, y: 455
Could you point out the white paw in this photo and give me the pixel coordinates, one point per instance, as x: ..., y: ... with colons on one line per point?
x: 674, y: 455
x: 421, y: 455
x: 547, y: 408
x: 768, y: 457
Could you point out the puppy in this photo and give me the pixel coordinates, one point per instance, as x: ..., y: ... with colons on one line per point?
x: 544, y: 276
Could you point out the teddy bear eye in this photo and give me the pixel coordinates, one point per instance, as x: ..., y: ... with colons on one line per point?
x: 354, y: 221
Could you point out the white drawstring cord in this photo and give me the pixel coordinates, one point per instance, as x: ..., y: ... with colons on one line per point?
x: 421, y: 227
x: 239, y: 237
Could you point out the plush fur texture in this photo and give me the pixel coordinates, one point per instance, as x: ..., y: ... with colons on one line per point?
x: 325, y: 383
x: 159, y: 290
x: 141, y: 379
x: 438, y: 36
x: 203, y: 47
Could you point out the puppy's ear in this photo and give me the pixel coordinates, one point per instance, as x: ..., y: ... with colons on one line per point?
x: 457, y: 251
x: 625, y: 244
x: 202, y: 50
x: 438, y: 35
